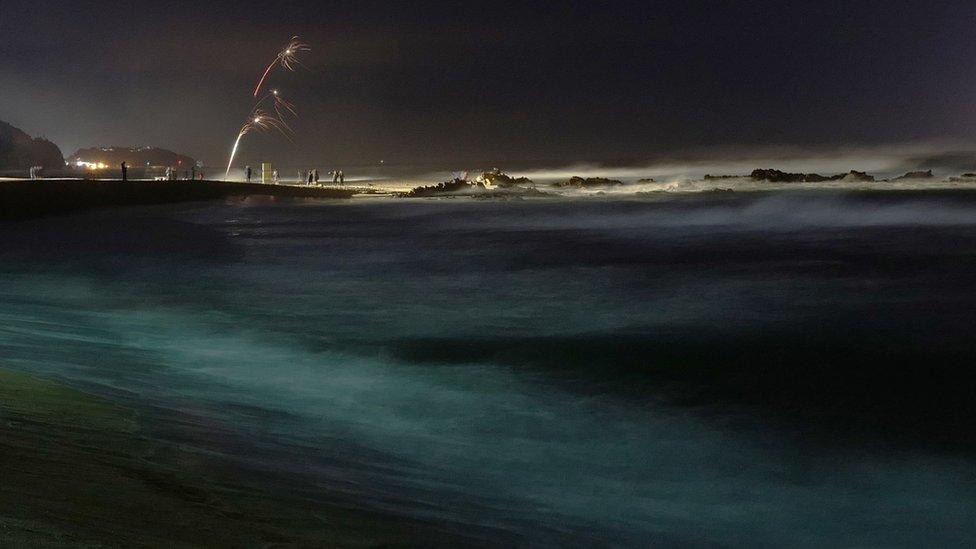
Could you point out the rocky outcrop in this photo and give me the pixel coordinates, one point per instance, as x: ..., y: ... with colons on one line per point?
x: 777, y: 176
x: 459, y: 186
x: 21, y: 151
x: 588, y: 182
x: 856, y: 176
x: 927, y: 174
x: 490, y: 185
x: 709, y: 177
x: 498, y: 178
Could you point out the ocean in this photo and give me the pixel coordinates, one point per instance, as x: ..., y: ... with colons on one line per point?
x: 701, y: 369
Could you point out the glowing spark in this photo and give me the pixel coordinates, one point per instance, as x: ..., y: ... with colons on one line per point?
x: 287, y: 59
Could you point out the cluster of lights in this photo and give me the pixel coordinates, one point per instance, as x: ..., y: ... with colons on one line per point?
x: 91, y: 165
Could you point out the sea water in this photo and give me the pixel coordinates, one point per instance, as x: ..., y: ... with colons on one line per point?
x: 718, y: 369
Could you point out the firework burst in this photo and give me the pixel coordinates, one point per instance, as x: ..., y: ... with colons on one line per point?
x: 259, y: 120
x: 287, y: 59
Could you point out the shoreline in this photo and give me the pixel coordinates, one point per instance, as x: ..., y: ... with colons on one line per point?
x: 27, y: 198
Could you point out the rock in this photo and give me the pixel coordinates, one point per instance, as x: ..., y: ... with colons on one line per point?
x: 498, y: 178
x: 646, y: 180
x: 915, y: 175
x: 587, y: 182
x: 777, y: 176
x: 21, y: 151
x: 964, y: 178
x: 445, y: 188
x: 855, y: 175
x: 709, y: 177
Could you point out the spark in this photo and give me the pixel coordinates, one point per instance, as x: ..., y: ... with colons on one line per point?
x: 286, y: 59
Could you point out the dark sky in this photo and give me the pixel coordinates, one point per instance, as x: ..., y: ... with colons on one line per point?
x: 492, y: 82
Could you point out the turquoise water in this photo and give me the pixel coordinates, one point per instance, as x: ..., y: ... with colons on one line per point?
x: 749, y: 370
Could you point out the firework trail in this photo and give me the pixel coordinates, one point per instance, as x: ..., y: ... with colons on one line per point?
x: 282, y: 107
x: 259, y: 120
x: 287, y: 58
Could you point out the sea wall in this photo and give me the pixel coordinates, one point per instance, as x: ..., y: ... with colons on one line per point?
x: 23, y: 199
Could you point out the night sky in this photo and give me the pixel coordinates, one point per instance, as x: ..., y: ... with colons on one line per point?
x: 492, y: 82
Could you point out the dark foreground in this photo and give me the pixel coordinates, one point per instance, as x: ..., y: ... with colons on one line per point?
x: 79, y: 470
x: 778, y: 369
x: 24, y: 199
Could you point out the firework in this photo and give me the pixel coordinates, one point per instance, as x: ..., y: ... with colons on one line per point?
x: 282, y: 107
x: 259, y: 120
x: 287, y: 59
x: 262, y: 120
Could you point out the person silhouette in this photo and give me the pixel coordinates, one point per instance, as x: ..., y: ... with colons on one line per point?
x: 125, y: 171
x: 247, y: 172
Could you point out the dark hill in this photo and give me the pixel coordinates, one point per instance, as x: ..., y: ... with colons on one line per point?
x: 21, y: 151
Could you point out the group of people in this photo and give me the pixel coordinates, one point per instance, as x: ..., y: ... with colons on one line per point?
x: 311, y: 177
x: 36, y: 171
x: 307, y: 177
x: 172, y: 174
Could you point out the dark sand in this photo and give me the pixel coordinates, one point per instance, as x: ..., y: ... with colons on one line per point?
x: 78, y: 470
x: 25, y: 198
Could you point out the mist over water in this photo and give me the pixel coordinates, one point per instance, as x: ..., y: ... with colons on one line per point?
x: 744, y: 369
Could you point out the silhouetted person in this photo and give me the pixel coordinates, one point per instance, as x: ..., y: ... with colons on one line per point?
x: 342, y: 178
x: 125, y: 171
x: 315, y: 176
x: 335, y: 177
x: 247, y: 173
